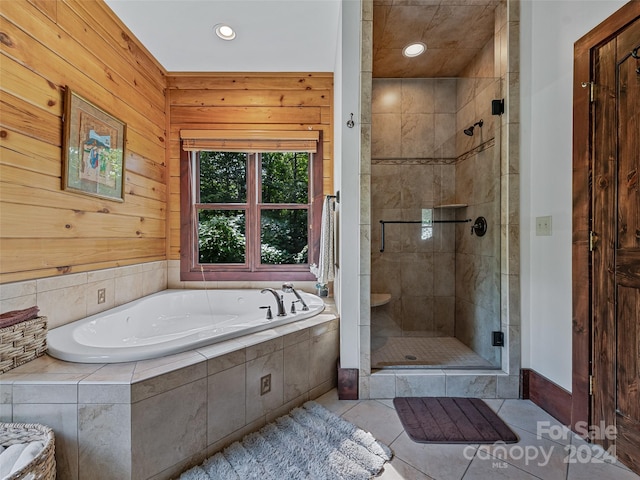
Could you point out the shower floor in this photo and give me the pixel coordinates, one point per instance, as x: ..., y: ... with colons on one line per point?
x: 420, y: 352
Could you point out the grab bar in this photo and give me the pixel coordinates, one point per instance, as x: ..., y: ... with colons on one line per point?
x: 383, y: 222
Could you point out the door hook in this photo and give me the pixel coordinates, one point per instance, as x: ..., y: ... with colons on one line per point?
x: 350, y: 122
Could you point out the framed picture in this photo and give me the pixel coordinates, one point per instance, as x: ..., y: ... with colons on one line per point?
x: 93, y: 150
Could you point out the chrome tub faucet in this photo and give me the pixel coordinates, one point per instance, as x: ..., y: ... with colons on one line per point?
x: 279, y: 301
x: 288, y: 288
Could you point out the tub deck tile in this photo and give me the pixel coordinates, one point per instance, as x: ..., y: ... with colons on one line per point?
x: 226, y: 361
x: 155, y: 366
x: 41, y: 379
x: 219, y: 349
x: 58, y: 392
x: 293, y: 338
x: 98, y: 392
x: 161, y: 379
x: 112, y: 373
x: 48, y: 364
x: 264, y: 348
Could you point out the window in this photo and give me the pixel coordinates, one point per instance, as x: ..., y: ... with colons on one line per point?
x: 249, y: 215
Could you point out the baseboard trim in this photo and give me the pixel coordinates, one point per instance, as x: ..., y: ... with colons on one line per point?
x: 348, y: 383
x: 548, y: 395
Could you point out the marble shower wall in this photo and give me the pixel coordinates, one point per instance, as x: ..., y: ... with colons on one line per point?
x: 413, y: 153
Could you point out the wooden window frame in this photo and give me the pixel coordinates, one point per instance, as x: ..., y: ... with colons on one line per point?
x: 192, y: 270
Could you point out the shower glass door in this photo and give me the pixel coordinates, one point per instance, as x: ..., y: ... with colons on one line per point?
x: 435, y: 170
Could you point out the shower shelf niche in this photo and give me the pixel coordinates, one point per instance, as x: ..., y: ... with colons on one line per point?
x: 451, y: 205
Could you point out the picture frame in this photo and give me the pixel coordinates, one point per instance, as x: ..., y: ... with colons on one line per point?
x: 93, y: 149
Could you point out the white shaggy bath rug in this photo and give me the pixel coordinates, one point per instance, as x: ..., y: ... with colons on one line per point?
x: 309, y: 443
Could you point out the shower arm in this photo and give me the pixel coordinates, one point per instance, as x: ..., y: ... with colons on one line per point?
x: 383, y: 222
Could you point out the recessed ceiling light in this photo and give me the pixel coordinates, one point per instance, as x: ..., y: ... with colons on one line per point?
x: 414, y: 49
x: 225, y: 32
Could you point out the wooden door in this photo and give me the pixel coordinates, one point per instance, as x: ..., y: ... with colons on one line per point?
x: 615, y: 120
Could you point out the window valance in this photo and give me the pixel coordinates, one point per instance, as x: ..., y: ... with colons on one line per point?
x: 250, y: 140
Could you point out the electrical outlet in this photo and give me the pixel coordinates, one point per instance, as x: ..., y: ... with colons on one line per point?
x: 102, y: 295
x: 265, y: 384
x: 543, y: 226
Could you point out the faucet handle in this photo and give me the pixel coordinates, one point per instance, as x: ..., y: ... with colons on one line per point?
x: 293, y: 306
x: 269, y: 314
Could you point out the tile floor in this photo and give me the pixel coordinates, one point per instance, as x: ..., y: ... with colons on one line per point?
x: 556, y: 455
x: 421, y: 352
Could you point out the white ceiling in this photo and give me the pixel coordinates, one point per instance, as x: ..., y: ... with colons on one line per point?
x: 272, y: 35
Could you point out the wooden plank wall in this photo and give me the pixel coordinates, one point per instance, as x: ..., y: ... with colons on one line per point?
x: 261, y: 101
x: 44, y: 231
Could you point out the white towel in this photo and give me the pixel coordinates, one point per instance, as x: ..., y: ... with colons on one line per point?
x: 9, y: 458
x: 324, y: 271
x: 28, y: 454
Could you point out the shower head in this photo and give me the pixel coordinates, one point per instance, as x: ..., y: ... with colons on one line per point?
x: 469, y: 131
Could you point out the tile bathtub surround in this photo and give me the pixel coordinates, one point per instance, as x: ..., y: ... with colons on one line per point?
x: 152, y: 419
x: 66, y: 298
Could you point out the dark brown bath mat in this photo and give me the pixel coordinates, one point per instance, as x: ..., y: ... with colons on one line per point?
x: 451, y: 420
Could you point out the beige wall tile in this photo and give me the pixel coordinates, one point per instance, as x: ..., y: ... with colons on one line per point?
x: 61, y: 281
x: 296, y: 370
x: 154, y: 280
x: 259, y: 405
x: 158, y: 383
x: 101, y: 275
x: 224, y: 362
x: 18, y: 303
x: 296, y: 337
x: 417, y: 135
x: 324, y: 355
x: 386, y: 96
x: 382, y: 385
x: 385, y: 135
x: 63, y: 420
x: 418, y: 95
x: 53, y: 393
x: 129, y: 287
x: 226, y: 402
x: 167, y: 429
x: 481, y: 386
x: 104, y: 436
x: 17, y: 289
x: 412, y: 385
x: 417, y: 315
x: 64, y: 305
x: 264, y: 348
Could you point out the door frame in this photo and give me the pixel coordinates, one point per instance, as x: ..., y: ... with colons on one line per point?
x: 582, y: 197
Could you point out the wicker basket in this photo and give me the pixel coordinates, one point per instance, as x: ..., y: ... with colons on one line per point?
x: 43, y: 466
x: 22, y: 342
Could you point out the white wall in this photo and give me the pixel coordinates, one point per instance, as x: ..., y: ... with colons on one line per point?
x: 349, y: 210
x: 549, y: 30
x: 337, y: 142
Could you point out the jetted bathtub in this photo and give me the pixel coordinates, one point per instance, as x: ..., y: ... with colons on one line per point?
x: 173, y: 321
